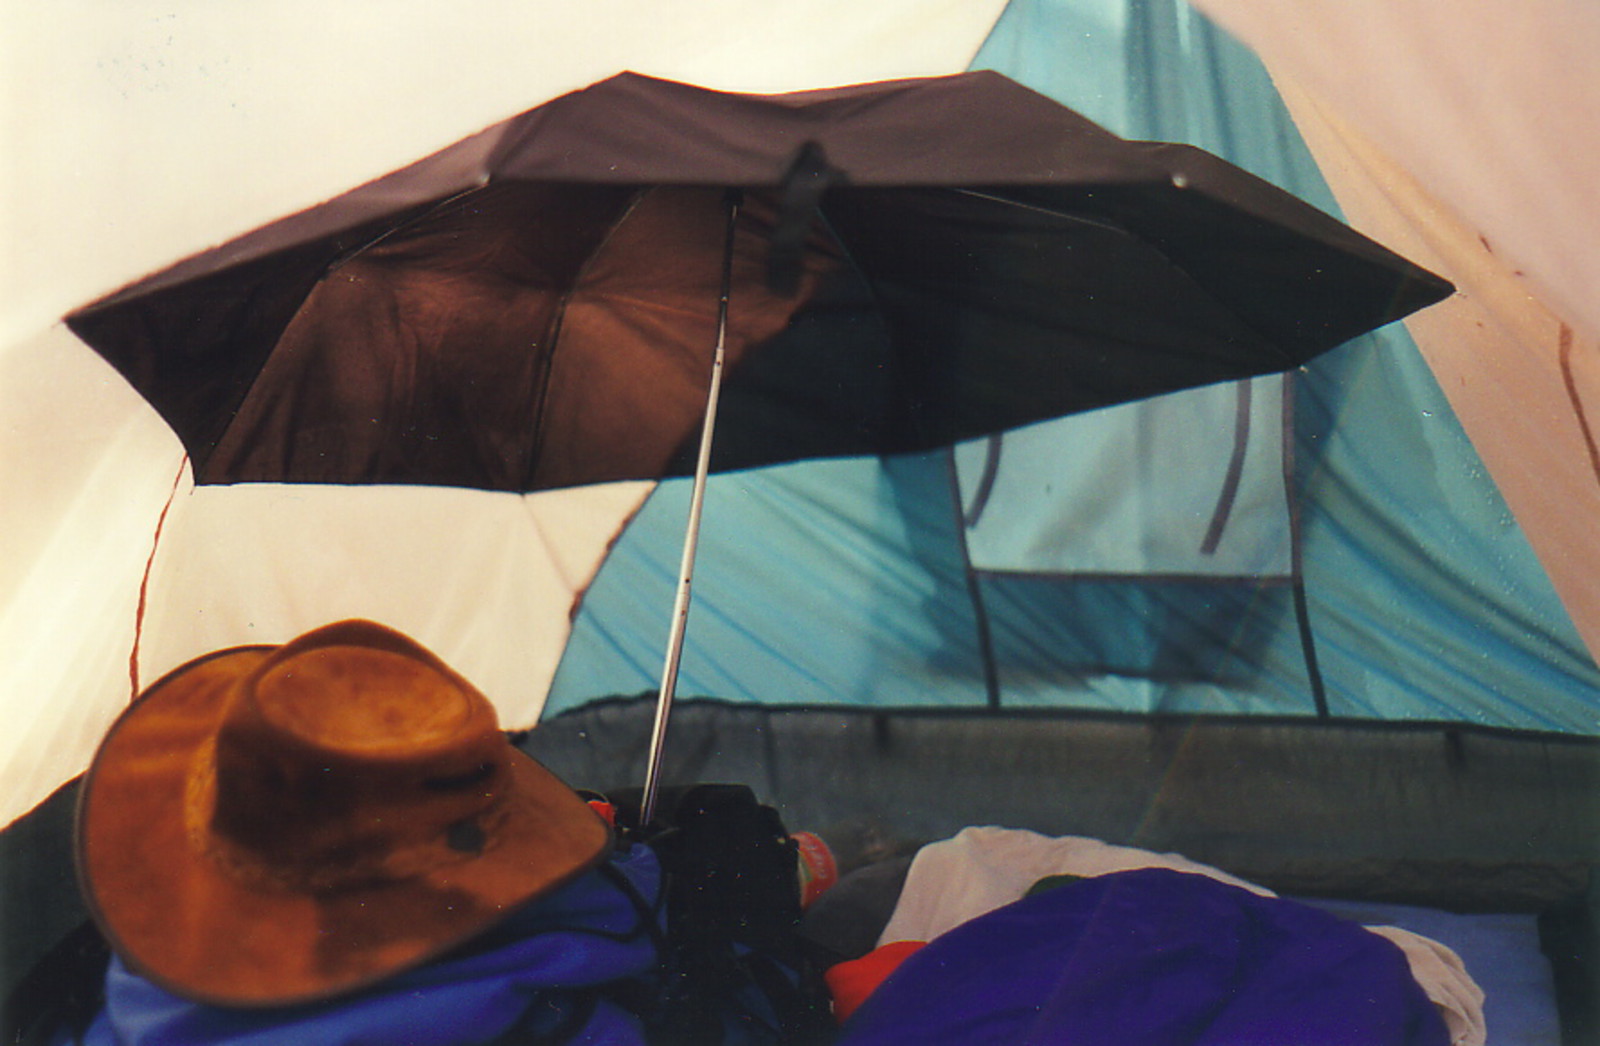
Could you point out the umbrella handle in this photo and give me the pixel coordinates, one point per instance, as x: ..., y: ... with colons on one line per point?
x: 691, y: 538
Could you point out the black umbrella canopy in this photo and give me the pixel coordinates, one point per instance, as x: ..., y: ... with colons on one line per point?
x: 912, y: 263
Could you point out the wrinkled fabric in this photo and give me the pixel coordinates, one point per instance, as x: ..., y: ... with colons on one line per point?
x: 1444, y: 977
x: 982, y: 868
x: 1155, y: 957
x: 546, y: 971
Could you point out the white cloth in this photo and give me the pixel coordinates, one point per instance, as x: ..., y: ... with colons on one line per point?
x: 1444, y: 977
x: 984, y: 868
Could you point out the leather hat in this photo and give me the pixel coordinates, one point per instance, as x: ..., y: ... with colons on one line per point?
x: 273, y: 825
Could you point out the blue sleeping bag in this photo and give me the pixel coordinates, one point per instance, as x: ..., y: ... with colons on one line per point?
x: 1158, y: 958
x: 549, y: 973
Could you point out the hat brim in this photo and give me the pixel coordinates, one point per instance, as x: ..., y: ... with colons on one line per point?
x: 179, y: 918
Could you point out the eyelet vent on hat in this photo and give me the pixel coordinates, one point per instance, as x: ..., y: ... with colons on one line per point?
x: 466, y: 837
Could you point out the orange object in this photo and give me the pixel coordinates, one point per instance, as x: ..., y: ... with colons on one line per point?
x: 852, y: 982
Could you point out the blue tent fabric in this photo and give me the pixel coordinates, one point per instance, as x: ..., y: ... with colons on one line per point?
x: 539, y: 974
x: 1155, y: 957
x: 1327, y: 544
x: 1424, y: 599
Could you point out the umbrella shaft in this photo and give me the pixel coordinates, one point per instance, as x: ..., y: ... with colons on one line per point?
x: 691, y: 539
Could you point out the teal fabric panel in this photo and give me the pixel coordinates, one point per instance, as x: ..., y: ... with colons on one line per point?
x: 1425, y: 599
x: 1190, y: 483
x: 821, y: 583
x: 1156, y: 70
x: 1145, y: 609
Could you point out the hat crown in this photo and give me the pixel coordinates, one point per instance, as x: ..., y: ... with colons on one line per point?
x: 342, y: 764
x: 360, y: 702
x: 269, y: 825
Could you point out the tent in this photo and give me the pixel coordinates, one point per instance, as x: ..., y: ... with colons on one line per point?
x: 1401, y: 612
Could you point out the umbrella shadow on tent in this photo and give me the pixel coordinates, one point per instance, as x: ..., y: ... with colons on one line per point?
x: 1159, y: 593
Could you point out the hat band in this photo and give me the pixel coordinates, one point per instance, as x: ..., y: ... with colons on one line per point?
x: 350, y: 865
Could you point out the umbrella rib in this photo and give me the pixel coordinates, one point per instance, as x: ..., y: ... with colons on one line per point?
x: 1111, y: 226
x: 398, y: 227
x: 554, y: 340
x: 1041, y: 209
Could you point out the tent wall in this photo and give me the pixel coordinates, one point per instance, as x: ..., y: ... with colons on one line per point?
x: 1461, y: 134
x: 1523, y: 381
x: 40, y: 903
x: 1383, y: 576
x: 1452, y: 817
x: 137, y: 136
x: 200, y: 139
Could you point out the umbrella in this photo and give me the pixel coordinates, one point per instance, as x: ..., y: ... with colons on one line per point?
x: 878, y: 269
x: 535, y: 307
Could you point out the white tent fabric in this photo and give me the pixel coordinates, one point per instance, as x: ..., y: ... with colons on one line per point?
x: 137, y: 135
